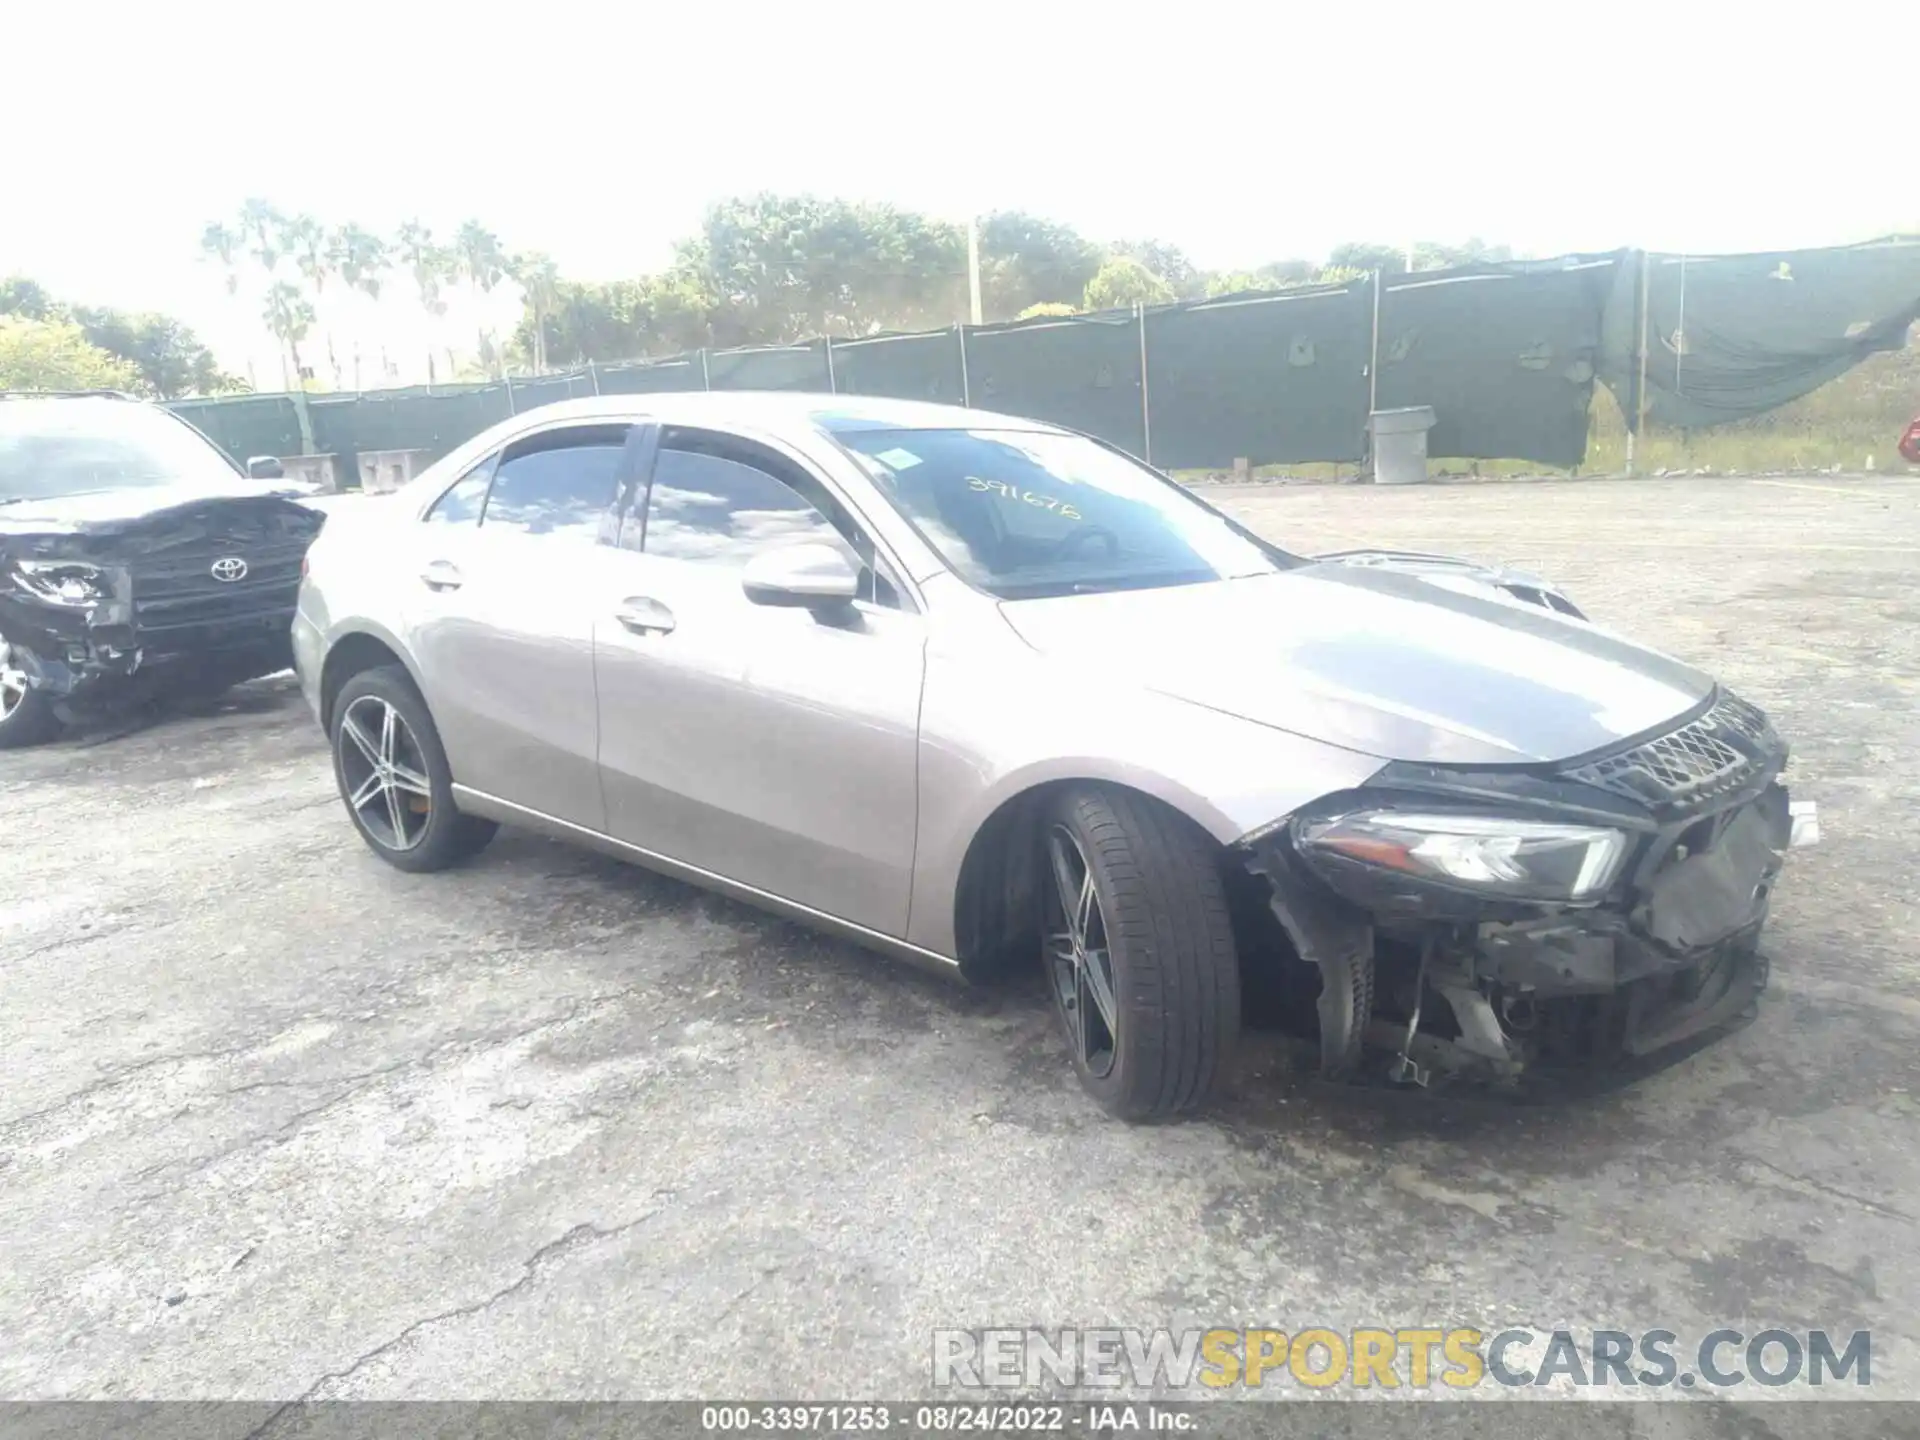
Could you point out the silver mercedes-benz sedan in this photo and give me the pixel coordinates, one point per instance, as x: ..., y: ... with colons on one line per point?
x: 980, y: 691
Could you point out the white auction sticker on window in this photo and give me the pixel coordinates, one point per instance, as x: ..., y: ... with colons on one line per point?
x: 898, y: 459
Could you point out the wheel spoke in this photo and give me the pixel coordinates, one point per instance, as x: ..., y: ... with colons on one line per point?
x: 372, y: 786
x: 397, y: 817
x: 389, y: 734
x: 1070, y: 890
x: 362, y: 741
x: 1101, y: 988
x: 412, y: 781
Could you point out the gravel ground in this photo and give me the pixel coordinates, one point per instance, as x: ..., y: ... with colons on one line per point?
x: 280, y: 1121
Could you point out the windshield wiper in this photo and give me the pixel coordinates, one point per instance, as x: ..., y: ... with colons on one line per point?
x: 1102, y: 584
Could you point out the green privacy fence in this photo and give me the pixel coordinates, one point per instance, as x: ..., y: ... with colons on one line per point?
x: 1506, y: 354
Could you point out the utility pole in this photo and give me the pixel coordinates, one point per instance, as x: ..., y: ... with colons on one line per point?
x: 973, y: 270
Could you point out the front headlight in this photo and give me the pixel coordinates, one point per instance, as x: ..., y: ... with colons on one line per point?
x: 1516, y: 859
x: 72, y: 583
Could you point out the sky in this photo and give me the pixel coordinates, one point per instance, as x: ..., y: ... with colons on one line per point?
x: 1240, y: 132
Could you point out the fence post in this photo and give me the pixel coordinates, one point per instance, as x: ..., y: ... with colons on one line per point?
x: 1373, y: 358
x: 594, y: 376
x: 509, y: 380
x: 966, y: 385
x: 1146, y: 402
x: 1637, y: 421
x: 706, y: 380
x: 833, y: 386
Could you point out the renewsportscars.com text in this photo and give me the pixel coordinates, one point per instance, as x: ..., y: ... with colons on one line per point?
x: 1457, y: 1358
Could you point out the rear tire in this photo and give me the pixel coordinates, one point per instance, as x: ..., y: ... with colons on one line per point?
x: 26, y: 715
x: 393, y: 775
x: 1155, y: 946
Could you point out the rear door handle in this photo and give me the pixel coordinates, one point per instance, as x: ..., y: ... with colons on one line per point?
x: 441, y: 575
x: 642, y: 614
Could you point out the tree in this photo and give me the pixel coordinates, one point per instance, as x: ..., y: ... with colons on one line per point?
x: 1361, y: 256
x: 539, y: 281
x: 55, y: 355
x: 1044, y: 309
x: 262, y: 226
x: 1121, y: 282
x: 479, y: 261
x: 222, y: 243
x: 1169, y: 262
x: 359, y: 257
x: 168, y: 359
x: 1028, y: 261
x: 426, y: 262
x: 27, y: 299
x: 289, y: 315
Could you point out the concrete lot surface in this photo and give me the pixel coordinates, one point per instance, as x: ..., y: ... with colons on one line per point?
x: 279, y: 1121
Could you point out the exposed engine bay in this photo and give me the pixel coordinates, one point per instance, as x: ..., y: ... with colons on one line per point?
x: 1507, y: 922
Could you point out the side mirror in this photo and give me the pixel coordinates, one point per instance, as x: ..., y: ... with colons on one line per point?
x: 805, y: 576
x: 265, y: 467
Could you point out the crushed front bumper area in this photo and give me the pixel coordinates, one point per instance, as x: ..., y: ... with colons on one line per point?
x: 90, y: 662
x: 1420, y: 985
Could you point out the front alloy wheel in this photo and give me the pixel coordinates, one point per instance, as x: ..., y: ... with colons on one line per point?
x: 1078, y: 960
x: 26, y: 714
x: 1139, y: 951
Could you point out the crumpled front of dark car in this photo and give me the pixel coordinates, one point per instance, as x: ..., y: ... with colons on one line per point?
x: 1593, y: 916
x: 87, y: 612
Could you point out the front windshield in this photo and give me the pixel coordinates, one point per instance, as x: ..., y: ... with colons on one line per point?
x: 1026, y: 513
x: 50, y: 448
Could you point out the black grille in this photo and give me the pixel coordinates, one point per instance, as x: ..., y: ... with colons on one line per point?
x: 1716, y: 754
x: 178, y: 593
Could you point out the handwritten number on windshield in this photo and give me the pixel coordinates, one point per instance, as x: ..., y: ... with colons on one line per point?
x: 1016, y: 495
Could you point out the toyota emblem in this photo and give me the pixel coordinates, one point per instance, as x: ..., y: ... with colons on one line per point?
x: 229, y: 568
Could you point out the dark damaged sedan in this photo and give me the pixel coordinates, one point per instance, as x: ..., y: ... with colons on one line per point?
x: 976, y: 690
x: 135, y: 559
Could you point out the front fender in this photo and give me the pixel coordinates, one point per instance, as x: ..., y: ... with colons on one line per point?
x: 988, y: 738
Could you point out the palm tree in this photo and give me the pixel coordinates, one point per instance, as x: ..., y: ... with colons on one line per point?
x: 305, y: 239
x: 219, y: 242
x: 481, y: 263
x: 289, y: 315
x: 359, y: 257
x: 426, y: 261
x: 539, y: 281
x: 261, y: 223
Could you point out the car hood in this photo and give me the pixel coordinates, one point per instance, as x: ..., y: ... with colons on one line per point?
x: 1375, y: 660
x: 100, y: 511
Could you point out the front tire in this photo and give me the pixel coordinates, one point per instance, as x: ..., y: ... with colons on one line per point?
x: 393, y: 775
x: 26, y: 714
x: 1139, y: 952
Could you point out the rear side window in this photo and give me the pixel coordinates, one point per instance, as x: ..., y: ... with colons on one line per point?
x: 559, y: 483
x: 463, y: 502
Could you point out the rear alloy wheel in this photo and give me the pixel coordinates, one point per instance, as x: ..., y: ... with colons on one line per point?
x: 394, y: 778
x: 26, y: 714
x: 1139, y: 952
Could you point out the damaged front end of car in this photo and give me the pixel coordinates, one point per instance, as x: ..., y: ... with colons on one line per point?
x: 1506, y: 922
x: 96, y: 618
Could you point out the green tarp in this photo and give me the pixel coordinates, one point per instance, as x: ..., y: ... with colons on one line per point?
x: 905, y: 367
x: 1505, y: 355
x: 1082, y: 372
x: 1264, y: 377
x: 1729, y: 336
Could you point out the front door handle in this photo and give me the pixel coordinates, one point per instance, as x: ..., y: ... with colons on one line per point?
x: 441, y: 575
x: 643, y: 615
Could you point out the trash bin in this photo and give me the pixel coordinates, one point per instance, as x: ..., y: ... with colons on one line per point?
x: 1400, y: 444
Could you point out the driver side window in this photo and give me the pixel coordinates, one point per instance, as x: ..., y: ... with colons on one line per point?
x: 723, y: 502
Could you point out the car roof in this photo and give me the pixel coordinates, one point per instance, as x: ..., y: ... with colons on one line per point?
x: 775, y: 409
